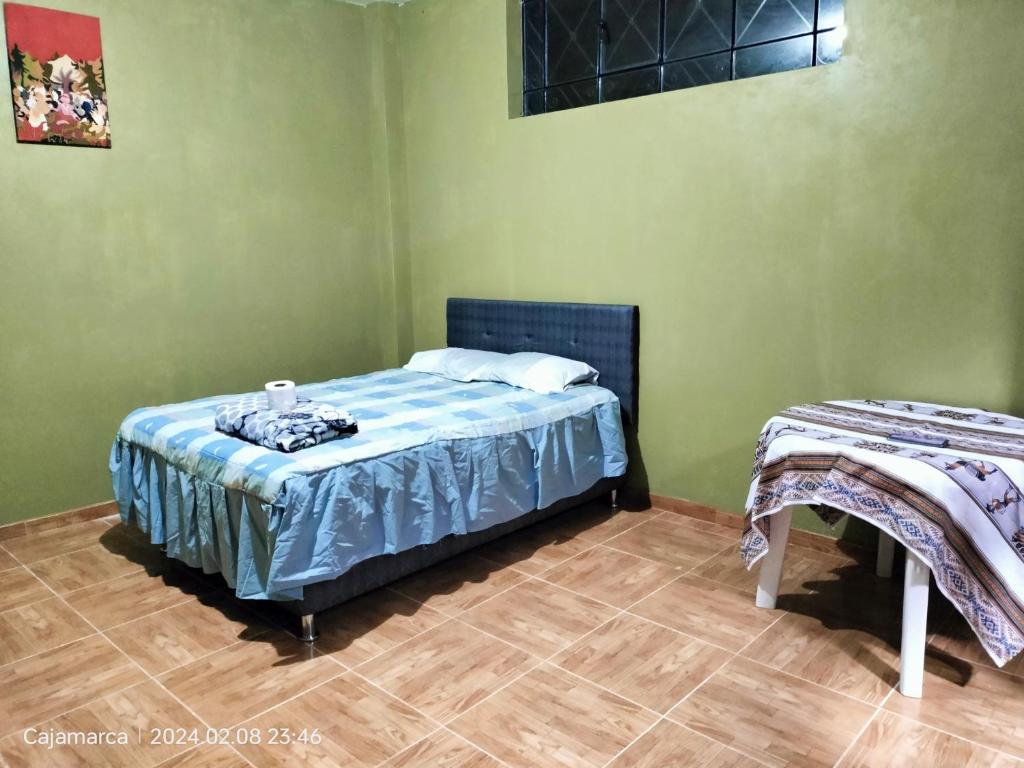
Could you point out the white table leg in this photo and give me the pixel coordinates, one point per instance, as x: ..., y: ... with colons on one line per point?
x: 886, y: 551
x: 915, y: 621
x: 771, y: 564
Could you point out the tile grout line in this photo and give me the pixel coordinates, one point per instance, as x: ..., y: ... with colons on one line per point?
x: 442, y: 726
x: 141, y: 568
x: 863, y: 729
x: 477, y: 747
x: 409, y: 746
x: 742, y: 650
x: 804, y: 680
x: 47, y: 650
x: 692, y: 691
x: 619, y: 614
x: 341, y: 673
x: 697, y: 687
x: 27, y: 563
x: 1017, y: 758
x: 592, y: 544
x: 132, y: 661
x: 457, y: 617
x: 700, y: 685
x: 548, y: 659
x: 527, y: 577
x: 194, y: 599
x: 430, y: 719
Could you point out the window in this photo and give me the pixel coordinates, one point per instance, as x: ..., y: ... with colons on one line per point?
x: 580, y: 52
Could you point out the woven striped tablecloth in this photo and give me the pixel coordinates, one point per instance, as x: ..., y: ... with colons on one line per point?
x: 956, y: 502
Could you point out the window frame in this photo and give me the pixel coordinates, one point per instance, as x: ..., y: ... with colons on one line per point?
x: 540, y: 96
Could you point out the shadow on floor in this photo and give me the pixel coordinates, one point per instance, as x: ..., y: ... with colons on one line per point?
x: 856, y: 599
x: 343, y: 625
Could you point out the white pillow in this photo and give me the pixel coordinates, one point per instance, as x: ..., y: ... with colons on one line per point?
x: 542, y: 373
x: 457, y: 363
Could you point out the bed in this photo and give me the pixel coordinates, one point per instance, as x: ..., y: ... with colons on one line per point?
x: 438, y: 466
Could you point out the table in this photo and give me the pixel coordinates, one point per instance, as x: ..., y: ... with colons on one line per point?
x: 944, y: 482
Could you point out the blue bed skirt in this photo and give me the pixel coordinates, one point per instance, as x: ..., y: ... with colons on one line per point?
x: 330, y: 521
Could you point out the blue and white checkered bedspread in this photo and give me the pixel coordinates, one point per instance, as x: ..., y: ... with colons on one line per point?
x: 432, y: 458
x: 396, y: 410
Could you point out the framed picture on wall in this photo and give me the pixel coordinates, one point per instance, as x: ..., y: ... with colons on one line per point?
x: 58, y: 83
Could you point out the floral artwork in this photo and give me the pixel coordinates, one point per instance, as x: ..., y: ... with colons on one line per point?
x: 57, y: 76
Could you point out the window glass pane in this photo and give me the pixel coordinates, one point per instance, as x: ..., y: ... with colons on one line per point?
x: 632, y: 33
x: 760, y: 20
x: 626, y: 85
x: 830, y: 13
x: 830, y: 46
x: 533, y: 103
x: 572, y: 95
x: 572, y: 39
x: 580, y: 52
x: 703, y: 70
x: 693, y: 27
x: 774, y: 57
x: 533, y: 44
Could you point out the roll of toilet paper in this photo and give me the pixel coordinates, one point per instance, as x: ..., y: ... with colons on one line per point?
x: 281, y: 395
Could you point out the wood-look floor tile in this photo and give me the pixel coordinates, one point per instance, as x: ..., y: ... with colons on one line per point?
x: 550, y: 718
x: 43, y: 686
x: 773, y: 717
x: 458, y: 584
x: 858, y: 663
x: 133, y: 711
x: 598, y: 522
x: 217, y: 756
x: 116, y: 555
x: 241, y: 681
x: 668, y: 745
x: 447, y: 669
x: 972, y: 701
x: 186, y: 632
x: 442, y: 750
x: 131, y: 530
x: 6, y: 561
x: 12, y: 531
x: 135, y: 595
x: 895, y: 742
x: 534, y: 549
x: 708, y: 611
x: 854, y: 599
x: 369, y: 625
x: 18, y: 587
x: 805, y: 570
x: 956, y: 638
x: 611, y: 576
x: 709, y: 525
x: 671, y: 542
x: 359, y: 725
x: 538, y: 617
x: 643, y: 662
x: 56, y: 541
x: 38, y: 627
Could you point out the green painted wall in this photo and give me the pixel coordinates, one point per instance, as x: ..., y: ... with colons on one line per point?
x: 233, y: 234
x: 847, y: 231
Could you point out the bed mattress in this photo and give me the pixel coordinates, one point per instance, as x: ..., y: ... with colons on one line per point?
x: 433, y: 457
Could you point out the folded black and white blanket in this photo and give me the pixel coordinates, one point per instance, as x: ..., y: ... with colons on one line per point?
x: 305, y: 425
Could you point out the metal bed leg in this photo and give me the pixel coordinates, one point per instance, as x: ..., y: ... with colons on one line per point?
x: 615, y: 498
x: 915, y: 623
x: 886, y: 552
x: 771, y: 564
x: 309, y: 633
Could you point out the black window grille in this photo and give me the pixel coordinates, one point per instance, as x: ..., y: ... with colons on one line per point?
x: 580, y: 52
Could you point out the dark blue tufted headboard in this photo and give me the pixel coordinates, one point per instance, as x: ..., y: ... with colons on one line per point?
x: 607, y: 336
